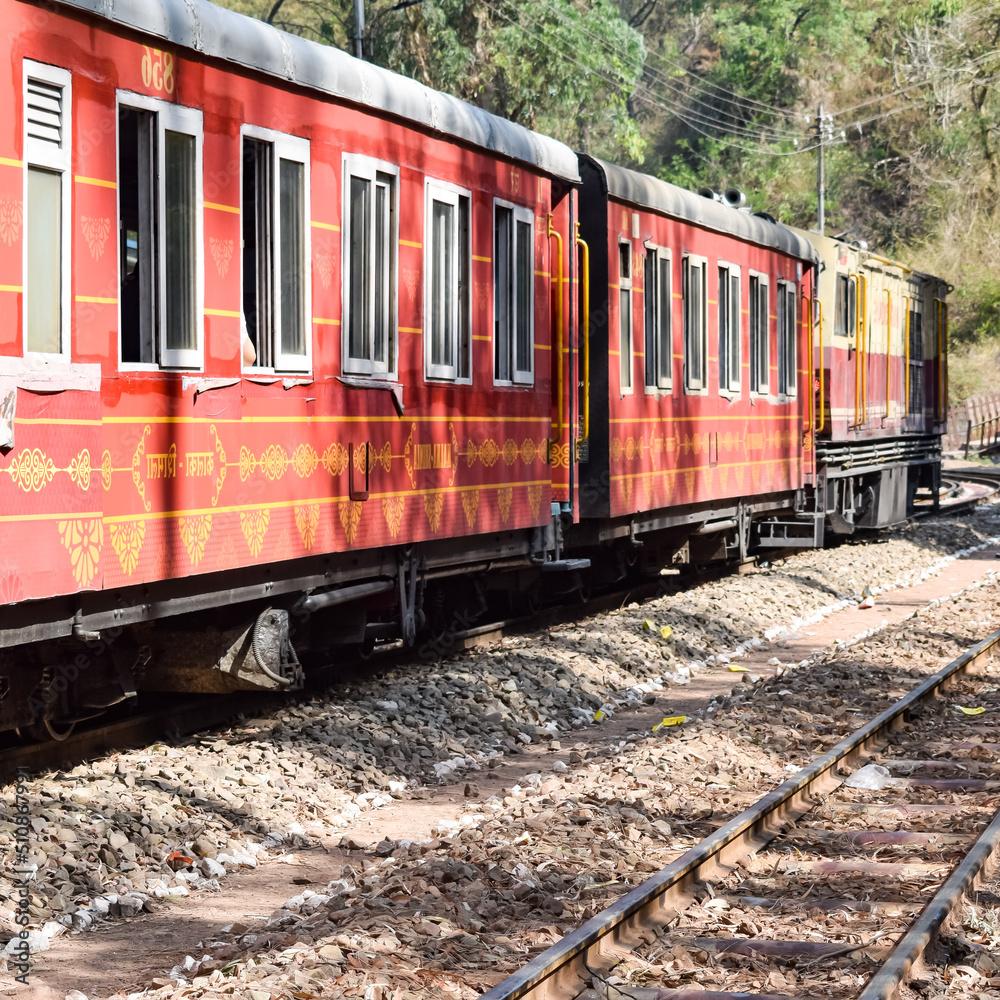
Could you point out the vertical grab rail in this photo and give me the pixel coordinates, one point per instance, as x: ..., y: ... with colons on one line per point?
x: 861, y: 403
x: 584, y: 335
x: 906, y: 361
x: 560, y: 330
x: 888, y: 350
x: 942, y: 332
x: 822, y: 374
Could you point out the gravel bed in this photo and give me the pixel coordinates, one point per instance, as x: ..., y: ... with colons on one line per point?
x: 112, y: 837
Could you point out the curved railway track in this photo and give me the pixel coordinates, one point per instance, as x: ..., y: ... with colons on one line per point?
x: 802, y: 848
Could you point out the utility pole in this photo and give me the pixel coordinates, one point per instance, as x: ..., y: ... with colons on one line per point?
x: 820, y: 193
x: 359, y: 28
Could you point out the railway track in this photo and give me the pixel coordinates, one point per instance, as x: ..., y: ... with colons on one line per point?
x: 837, y: 890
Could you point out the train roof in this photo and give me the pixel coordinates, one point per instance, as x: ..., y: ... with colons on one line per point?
x: 660, y: 196
x: 236, y: 38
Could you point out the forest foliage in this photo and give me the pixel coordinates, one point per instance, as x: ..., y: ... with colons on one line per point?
x: 724, y: 92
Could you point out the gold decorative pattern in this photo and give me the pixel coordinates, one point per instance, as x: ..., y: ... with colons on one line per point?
x: 247, y: 463
x: 382, y: 457
x: 350, y: 518
x: 433, y: 504
x: 79, y: 470
x: 254, y: 524
x: 306, y: 520
x: 106, y: 470
x: 31, y: 470
x: 273, y: 462
x: 194, y: 533
x: 528, y: 451
x: 410, y: 278
x: 95, y: 232
x: 689, y: 481
x: 627, y: 492
x: 11, y: 215
x: 392, y: 510
x: 504, y: 496
x: 222, y: 254
x: 470, y: 504
x: 220, y: 454
x: 408, y: 456
x: 83, y: 538
x: 510, y: 451
x: 324, y: 268
x: 616, y: 450
x: 535, y: 498
x: 126, y: 540
x: 334, y: 459
x: 559, y: 455
x: 140, y: 451
x: 305, y: 461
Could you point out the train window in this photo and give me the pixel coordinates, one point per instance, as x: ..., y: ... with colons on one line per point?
x: 845, y: 315
x: 695, y: 327
x: 625, y: 315
x: 447, y: 305
x: 787, y: 342
x: 275, y: 257
x: 370, y: 239
x: 513, y: 294
x: 760, y: 348
x: 161, y: 246
x: 47, y: 146
x: 730, y: 328
x: 658, y: 325
x: 915, y: 401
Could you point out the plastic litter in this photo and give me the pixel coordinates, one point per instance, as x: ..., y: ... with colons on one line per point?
x: 736, y: 668
x: 867, y: 598
x: 872, y: 776
x: 670, y: 720
x: 666, y: 631
x: 972, y: 711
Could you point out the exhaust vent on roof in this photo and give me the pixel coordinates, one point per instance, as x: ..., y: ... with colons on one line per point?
x: 44, y: 111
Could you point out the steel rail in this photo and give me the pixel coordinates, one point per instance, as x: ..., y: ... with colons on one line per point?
x: 570, y: 962
x: 980, y: 859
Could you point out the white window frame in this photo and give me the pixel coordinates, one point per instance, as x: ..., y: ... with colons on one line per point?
x: 447, y: 194
x: 42, y: 154
x: 762, y: 390
x: 297, y: 149
x: 789, y: 390
x: 356, y: 165
x: 190, y: 121
x: 730, y: 387
x: 524, y: 215
x: 695, y: 386
x: 626, y: 284
x: 664, y: 384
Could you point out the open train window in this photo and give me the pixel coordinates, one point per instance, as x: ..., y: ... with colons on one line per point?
x: 275, y: 259
x: 694, y: 287
x: 625, y: 315
x: 730, y: 328
x: 787, y: 341
x: 370, y: 242
x: 160, y: 241
x: 513, y: 294
x: 659, y: 320
x: 760, y: 347
x: 447, y: 290
x: 47, y: 146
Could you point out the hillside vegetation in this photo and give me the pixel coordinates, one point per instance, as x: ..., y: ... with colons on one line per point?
x: 726, y: 93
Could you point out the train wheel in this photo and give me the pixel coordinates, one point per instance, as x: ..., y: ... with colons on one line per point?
x: 42, y: 732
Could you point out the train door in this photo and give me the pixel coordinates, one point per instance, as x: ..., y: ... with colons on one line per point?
x: 913, y: 365
x: 845, y: 325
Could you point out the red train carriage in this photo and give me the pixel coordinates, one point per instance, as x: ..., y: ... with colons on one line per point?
x: 882, y: 387
x: 274, y: 324
x: 699, y: 393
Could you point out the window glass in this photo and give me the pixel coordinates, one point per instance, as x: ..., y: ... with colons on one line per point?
x: 180, y: 252
x: 380, y: 276
x: 649, y: 319
x: 258, y: 267
x: 503, y: 289
x: 664, y: 320
x: 447, y: 309
x: 693, y: 292
x: 760, y: 358
x: 625, y: 316
x: 787, y: 345
x: 524, y: 349
x: 44, y: 235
